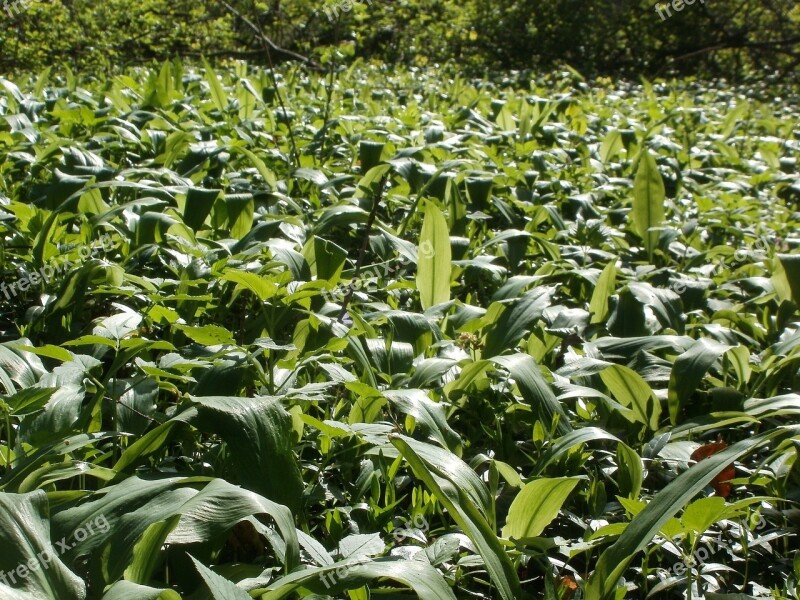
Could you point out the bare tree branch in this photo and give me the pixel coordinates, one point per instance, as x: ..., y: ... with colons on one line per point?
x: 269, y: 43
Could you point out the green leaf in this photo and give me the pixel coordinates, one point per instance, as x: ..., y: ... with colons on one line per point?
x: 537, y: 504
x: 666, y: 504
x: 451, y: 487
x: 517, y: 320
x: 240, y: 214
x: 198, y: 205
x: 426, y: 581
x: 791, y: 271
x: 147, y: 551
x: 220, y: 588
x: 648, y: 202
x: 568, y: 441
x: 368, y: 185
x: 369, y: 154
x: 152, y: 441
x: 218, y: 95
x: 630, y: 472
x: 127, y: 590
x: 207, y: 335
x: 606, y: 284
x: 703, y: 513
x: 30, y: 463
x: 220, y: 505
x: 31, y: 566
x: 433, y: 259
x: 259, y: 164
x: 611, y: 146
x: 260, y: 286
x: 258, y: 432
x: 688, y: 371
x: 535, y: 390
x: 630, y: 390
x: 325, y: 259
x: 430, y: 415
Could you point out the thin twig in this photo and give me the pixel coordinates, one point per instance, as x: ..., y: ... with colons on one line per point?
x: 266, y: 41
x: 267, y: 44
x: 363, y: 251
x: 141, y: 414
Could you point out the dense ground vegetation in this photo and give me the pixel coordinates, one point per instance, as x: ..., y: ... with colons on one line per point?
x: 630, y: 37
x: 402, y: 335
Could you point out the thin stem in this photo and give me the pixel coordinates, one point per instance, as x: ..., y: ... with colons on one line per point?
x: 365, y: 242
x: 268, y: 45
x: 329, y: 99
x: 141, y: 414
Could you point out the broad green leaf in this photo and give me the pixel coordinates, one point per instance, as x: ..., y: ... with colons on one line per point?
x: 740, y: 361
x: 606, y: 284
x: 152, y: 442
x: 262, y: 169
x: 49, y: 452
x: 261, y: 286
x: 118, y: 516
x: 427, y: 582
x: 240, y: 209
x: 611, y: 146
x: 147, y: 551
x: 629, y: 471
x: 127, y: 590
x: 688, y: 371
x: 258, y: 432
x: 648, y: 202
x: 568, y: 441
x: 313, y: 175
x: 359, y: 545
x: 537, y: 504
x: 703, y: 513
x: 219, y: 587
x: 791, y: 273
x: 535, y: 390
x: 471, y: 373
x: 218, y: 95
x: 207, y: 335
x: 368, y: 185
x: 430, y: 415
x: 734, y: 118
x: 446, y: 485
x: 369, y: 154
x: 630, y: 390
x: 220, y: 505
x: 433, y: 259
x: 31, y: 566
x: 28, y: 400
x: 325, y: 259
x: 614, y: 561
x: 198, y: 205
x: 505, y: 119
x: 516, y: 320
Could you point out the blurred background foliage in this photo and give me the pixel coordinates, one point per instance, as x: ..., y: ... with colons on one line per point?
x: 612, y: 37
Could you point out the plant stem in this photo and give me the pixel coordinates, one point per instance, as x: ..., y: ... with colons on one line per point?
x: 266, y: 45
x: 364, y: 244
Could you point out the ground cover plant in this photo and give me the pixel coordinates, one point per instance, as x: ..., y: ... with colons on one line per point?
x: 398, y: 335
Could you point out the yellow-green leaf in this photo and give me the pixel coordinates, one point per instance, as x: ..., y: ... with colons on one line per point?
x: 648, y: 202
x: 537, y: 505
x: 433, y: 259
